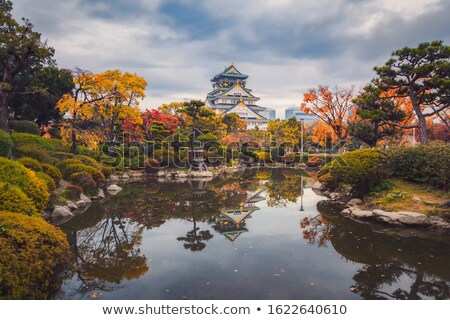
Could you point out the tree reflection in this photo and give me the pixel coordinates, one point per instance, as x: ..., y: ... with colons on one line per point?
x: 195, y: 239
x: 284, y: 186
x: 395, y: 264
x: 107, y: 254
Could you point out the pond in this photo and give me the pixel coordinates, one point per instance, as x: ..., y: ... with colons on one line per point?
x: 255, y: 235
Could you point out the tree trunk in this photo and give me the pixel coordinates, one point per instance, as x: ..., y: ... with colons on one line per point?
x: 4, y: 112
x: 423, y: 129
x: 73, y: 148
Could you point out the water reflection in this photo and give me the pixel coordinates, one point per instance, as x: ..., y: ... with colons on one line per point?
x: 149, y: 232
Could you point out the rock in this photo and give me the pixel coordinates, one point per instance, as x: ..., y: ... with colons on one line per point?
x: 416, y: 199
x: 160, y: 174
x: 361, y: 214
x: 182, y: 175
x: 71, y: 205
x: 201, y: 174
x: 61, y: 212
x: 136, y: 174
x: 405, y: 217
x: 318, y: 186
x: 81, y: 204
x: 113, y: 178
x: 101, y: 194
x: 335, y: 196
x: 125, y: 176
x: 354, y: 202
x: 85, y: 198
x: 113, y: 189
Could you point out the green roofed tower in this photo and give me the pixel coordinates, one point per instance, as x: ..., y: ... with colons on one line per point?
x: 230, y: 95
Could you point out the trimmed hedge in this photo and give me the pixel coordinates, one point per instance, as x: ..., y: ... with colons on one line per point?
x: 31, y: 164
x: 362, y: 170
x: 15, y: 200
x: 34, y: 151
x: 84, y: 180
x: 31, y: 252
x: 53, y: 172
x: 72, y: 192
x: 51, y: 184
x: 24, y: 126
x: 15, y: 173
x: 6, y: 144
x: 424, y: 163
x: 21, y: 139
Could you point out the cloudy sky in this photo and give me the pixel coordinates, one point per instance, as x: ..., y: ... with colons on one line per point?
x: 285, y: 46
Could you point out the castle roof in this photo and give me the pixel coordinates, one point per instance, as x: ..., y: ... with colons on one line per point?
x: 229, y: 72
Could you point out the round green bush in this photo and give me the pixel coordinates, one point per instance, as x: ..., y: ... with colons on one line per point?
x: 107, y: 170
x: 34, y: 151
x: 31, y: 164
x: 24, y: 126
x: 362, y: 170
x: 53, y: 172
x: 88, y: 161
x: 84, y: 180
x: 15, y: 200
x: 32, y: 253
x: 6, y: 144
x: 96, y: 174
x: 51, y: 184
x: 20, y: 139
x: 62, y: 166
x: 15, y: 173
x: 424, y: 163
x: 61, y: 156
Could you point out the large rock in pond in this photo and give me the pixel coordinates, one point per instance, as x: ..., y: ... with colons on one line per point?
x: 318, y: 186
x: 113, y: 189
x: 85, y: 198
x: 354, y: 202
x: 200, y: 174
x: 101, y: 194
x: 404, y: 217
x: 71, y: 205
x: 61, y: 212
x: 113, y: 178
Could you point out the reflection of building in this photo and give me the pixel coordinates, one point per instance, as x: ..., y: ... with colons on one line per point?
x: 295, y: 112
x: 232, y: 221
x: 230, y: 95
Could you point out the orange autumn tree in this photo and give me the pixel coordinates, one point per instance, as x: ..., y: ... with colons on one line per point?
x: 331, y: 105
x: 323, y: 135
x: 79, y: 108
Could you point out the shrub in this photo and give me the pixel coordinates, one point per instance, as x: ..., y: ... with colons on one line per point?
x: 31, y: 164
x: 24, y: 126
x: 62, y: 166
x: 15, y: 200
x: 82, y: 150
x: 21, y: 139
x: 96, y: 174
x: 53, y: 172
x: 314, y: 161
x: 72, y: 192
x: 362, y: 170
x: 6, y: 144
x: 107, y: 170
x: 88, y: 161
x: 423, y: 163
x: 62, y: 155
x: 84, y: 180
x: 151, y: 166
x: 31, y: 252
x: 165, y: 157
x: 15, y: 173
x: 51, y: 184
x: 34, y: 151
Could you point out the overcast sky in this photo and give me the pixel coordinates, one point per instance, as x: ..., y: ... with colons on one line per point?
x: 284, y: 46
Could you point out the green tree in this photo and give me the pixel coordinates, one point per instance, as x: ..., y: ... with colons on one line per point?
x: 21, y: 51
x: 423, y: 75
x: 376, y: 116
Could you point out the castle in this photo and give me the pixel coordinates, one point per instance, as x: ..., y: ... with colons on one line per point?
x: 230, y: 95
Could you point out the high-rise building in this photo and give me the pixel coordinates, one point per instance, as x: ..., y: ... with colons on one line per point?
x: 295, y: 112
x: 230, y: 95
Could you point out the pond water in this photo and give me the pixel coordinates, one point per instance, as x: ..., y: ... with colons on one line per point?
x: 256, y: 235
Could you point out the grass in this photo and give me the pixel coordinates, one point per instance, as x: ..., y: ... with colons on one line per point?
x: 397, y: 195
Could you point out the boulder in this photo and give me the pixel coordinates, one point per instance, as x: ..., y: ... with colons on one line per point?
x: 81, y: 204
x: 416, y: 199
x: 71, y: 205
x: 361, y: 214
x: 318, y: 186
x: 125, y: 176
x: 201, y: 174
x: 101, y: 194
x: 113, y: 189
x: 160, y: 173
x: 85, y: 198
x: 61, y: 212
x: 113, y: 178
x: 182, y: 175
x: 404, y: 217
x: 354, y: 202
